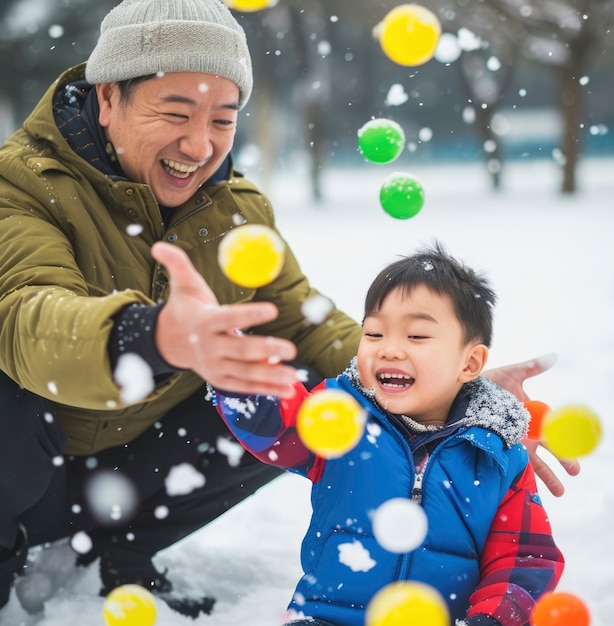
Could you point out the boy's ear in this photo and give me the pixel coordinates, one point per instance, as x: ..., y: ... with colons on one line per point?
x: 476, y: 360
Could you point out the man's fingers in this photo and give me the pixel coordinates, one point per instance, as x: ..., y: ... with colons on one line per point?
x: 572, y: 466
x: 254, y: 349
x: 261, y: 379
x: 548, y: 477
x: 543, y: 470
x: 241, y: 316
x: 538, y: 365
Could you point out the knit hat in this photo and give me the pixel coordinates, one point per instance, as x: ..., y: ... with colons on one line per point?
x: 142, y: 37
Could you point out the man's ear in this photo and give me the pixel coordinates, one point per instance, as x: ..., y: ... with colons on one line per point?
x: 476, y: 358
x: 107, y: 99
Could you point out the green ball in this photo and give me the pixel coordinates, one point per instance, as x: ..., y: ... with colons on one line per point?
x: 381, y: 140
x: 401, y: 195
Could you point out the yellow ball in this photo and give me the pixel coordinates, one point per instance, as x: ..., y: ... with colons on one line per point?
x: 571, y: 431
x: 251, y: 255
x: 330, y: 422
x: 129, y: 605
x: 249, y: 5
x: 407, y: 602
x: 409, y: 34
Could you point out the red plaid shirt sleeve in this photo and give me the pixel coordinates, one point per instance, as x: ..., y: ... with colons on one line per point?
x: 520, y: 561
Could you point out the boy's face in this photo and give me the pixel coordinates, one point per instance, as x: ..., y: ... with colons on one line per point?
x: 413, y: 353
x: 173, y: 133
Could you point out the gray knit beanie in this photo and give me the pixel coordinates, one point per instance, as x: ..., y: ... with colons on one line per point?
x: 142, y: 37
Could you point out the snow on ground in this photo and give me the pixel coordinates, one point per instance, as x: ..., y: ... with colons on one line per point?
x: 551, y: 259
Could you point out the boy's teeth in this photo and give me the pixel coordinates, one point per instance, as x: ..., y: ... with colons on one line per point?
x: 396, y: 380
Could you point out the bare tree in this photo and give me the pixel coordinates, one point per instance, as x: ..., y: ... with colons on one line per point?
x: 559, y: 34
x: 36, y: 45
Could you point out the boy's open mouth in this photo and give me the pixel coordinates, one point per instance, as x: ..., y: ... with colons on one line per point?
x: 395, y: 381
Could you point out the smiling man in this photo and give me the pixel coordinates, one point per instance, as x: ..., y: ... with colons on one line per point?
x: 114, y: 198
x: 123, y: 152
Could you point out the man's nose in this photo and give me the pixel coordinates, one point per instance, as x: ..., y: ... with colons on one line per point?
x: 196, y: 143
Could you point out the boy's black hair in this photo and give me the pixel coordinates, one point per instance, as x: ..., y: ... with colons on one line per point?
x: 472, y: 297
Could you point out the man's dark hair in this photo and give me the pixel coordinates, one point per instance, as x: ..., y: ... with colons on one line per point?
x: 126, y: 87
x: 472, y: 297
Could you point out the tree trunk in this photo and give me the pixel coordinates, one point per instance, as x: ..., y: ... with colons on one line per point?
x: 491, y: 146
x: 571, y: 96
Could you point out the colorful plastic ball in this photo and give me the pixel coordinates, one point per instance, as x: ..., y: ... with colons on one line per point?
x: 381, y: 140
x: 249, y: 6
x: 129, y: 605
x: 407, y: 602
x: 538, y: 411
x: 330, y: 422
x: 401, y: 195
x: 560, y: 609
x: 571, y: 431
x: 251, y: 255
x: 409, y: 34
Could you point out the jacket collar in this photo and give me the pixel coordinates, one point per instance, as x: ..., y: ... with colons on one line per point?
x: 76, y: 111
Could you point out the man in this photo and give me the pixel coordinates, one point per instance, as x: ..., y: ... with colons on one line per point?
x: 126, y: 151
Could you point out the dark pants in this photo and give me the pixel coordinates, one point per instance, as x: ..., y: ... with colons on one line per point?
x: 46, y: 491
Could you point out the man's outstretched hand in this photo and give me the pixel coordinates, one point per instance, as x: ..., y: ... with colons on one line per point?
x: 195, y: 332
x: 512, y: 377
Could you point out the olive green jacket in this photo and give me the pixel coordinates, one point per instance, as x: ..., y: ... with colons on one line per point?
x: 68, y: 265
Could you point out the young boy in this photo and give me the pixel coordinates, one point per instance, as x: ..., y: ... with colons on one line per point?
x: 436, y: 432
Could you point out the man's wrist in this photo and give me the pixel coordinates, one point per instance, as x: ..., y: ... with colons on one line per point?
x: 134, y: 331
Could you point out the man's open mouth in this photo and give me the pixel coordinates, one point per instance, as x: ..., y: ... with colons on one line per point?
x: 178, y: 170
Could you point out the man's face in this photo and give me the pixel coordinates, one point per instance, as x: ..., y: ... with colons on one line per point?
x: 174, y: 131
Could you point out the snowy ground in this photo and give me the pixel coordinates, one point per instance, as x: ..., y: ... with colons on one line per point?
x: 551, y: 260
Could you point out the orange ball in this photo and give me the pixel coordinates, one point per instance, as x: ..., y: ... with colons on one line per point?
x: 538, y: 411
x: 560, y: 609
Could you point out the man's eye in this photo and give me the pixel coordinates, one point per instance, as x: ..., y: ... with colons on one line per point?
x: 177, y: 116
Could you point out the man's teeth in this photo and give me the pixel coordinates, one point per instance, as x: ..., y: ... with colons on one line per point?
x: 180, y: 170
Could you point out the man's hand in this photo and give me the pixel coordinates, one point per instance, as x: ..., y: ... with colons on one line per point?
x: 195, y: 332
x: 512, y: 377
